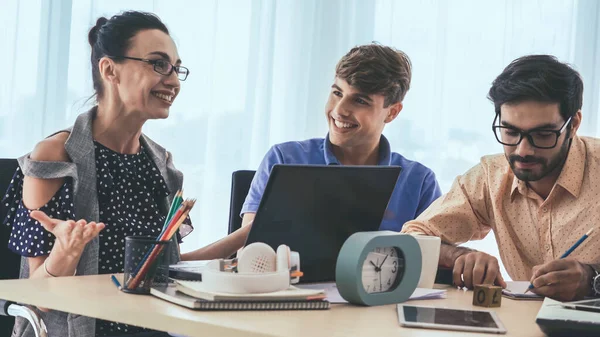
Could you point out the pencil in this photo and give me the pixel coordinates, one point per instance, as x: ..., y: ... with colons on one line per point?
x: 568, y: 252
x: 175, y: 205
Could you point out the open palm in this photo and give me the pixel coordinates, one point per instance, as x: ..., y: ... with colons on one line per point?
x: 71, y: 236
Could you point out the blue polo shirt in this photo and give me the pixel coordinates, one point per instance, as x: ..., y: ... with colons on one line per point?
x: 415, y: 189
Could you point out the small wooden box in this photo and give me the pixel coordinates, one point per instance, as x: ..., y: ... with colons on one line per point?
x: 487, y: 295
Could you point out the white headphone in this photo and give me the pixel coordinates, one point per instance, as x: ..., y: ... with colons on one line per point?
x: 257, y: 269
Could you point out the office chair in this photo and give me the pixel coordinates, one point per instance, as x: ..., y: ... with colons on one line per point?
x: 240, y: 185
x: 11, y: 263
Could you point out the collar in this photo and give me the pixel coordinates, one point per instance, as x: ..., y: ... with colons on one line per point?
x: 571, y: 175
x: 80, y: 141
x: 517, y: 186
x: 385, y: 152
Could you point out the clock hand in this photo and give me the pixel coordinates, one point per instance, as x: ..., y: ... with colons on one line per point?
x: 374, y: 265
x: 383, y: 261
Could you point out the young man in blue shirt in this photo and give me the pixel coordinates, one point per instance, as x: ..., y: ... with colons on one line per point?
x: 369, y: 86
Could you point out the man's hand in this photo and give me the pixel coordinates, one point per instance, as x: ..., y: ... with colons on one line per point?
x: 564, y: 280
x: 476, y: 268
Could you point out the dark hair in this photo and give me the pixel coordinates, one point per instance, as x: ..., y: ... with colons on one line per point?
x: 540, y: 78
x: 377, y: 69
x: 112, y: 38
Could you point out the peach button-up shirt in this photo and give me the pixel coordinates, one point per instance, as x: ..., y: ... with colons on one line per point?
x: 529, y: 230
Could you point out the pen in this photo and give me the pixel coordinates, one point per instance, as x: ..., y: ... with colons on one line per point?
x: 115, y: 281
x: 569, y: 251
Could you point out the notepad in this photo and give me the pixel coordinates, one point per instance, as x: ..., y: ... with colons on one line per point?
x: 516, y: 290
x: 170, y: 294
x: 333, y: 295
x: 198, y: 290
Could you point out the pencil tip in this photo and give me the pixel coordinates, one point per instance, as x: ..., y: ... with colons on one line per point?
x: 590, y: 231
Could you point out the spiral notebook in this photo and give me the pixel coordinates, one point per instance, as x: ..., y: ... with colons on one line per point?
x: 170, y: 293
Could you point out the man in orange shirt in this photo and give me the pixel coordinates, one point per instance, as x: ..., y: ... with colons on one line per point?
x: 539, y: 198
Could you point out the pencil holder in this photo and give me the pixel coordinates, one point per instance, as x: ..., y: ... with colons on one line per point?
x: 146, y: 264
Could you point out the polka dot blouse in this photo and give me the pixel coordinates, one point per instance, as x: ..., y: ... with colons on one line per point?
x: 129, y: 189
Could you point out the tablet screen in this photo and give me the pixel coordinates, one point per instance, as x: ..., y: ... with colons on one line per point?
x: 465, y: 318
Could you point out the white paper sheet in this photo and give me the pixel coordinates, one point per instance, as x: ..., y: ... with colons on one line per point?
x: 516, y: 289
x: 333, y: 295
x: 427, y: 294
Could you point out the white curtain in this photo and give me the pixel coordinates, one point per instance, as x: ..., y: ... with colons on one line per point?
x: 261, y: 71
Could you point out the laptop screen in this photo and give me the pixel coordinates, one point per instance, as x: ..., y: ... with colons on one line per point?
x: 313, y: 209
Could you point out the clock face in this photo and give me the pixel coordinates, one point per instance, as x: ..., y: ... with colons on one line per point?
x: 382, y: 270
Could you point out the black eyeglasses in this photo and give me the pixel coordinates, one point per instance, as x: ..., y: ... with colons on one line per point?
x: 161, y: 66
x: 540, y: 138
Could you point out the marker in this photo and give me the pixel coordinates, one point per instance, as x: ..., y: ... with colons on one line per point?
x: 115, y: 281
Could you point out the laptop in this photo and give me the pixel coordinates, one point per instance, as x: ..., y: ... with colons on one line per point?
x: 314, y: 208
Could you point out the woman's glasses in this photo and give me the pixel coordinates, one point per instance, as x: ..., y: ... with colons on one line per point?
x: 161, y: 66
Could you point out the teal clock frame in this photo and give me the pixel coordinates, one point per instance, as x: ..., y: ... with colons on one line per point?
x: 348, y: 269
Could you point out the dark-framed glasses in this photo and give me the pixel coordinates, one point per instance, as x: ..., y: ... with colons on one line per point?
x: 540, y: 138
x: 161, y: 66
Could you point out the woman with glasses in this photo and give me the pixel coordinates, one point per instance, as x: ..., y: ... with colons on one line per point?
x: 81, y: 191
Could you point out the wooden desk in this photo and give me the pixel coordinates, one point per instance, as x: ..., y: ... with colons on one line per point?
x: 97, y: 296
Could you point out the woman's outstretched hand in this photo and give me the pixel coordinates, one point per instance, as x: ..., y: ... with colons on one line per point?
x: 71, y: 236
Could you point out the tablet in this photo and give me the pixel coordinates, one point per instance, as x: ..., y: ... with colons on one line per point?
x: 586, y: 305
x: 314, y: 208
x: 449, y: 319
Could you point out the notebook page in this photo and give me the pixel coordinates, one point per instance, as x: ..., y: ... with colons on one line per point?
x: 516, y: 289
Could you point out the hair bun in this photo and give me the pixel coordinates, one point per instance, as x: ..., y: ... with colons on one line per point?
x: 101, y: 21
x: 93, y: 34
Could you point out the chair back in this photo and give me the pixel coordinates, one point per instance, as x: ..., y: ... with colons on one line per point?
x: 240, y: 185
x: 11, y: 262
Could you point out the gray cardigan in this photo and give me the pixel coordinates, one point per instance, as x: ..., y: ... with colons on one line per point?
x: 82, y: 169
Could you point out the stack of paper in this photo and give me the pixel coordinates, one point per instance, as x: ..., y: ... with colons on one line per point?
x: 333, y: 295
x: 516, y: 290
